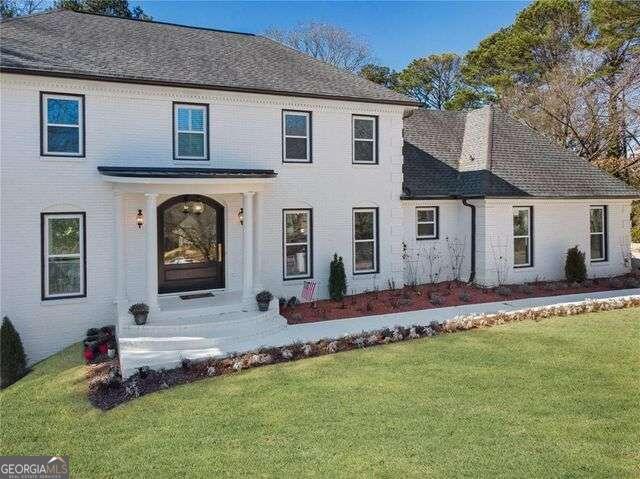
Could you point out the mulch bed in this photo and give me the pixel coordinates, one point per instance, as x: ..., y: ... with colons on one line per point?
x: 440, y: 295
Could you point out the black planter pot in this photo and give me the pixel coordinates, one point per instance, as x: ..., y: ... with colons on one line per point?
x: 263, y: 306
x: 140, y: 318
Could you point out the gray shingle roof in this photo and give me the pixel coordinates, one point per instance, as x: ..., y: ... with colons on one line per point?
x: 521, y: 163
x: 66, y: 43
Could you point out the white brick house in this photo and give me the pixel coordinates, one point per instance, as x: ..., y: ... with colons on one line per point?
x: 113, y: 152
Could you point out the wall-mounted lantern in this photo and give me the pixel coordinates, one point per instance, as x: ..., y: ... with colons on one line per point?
x: 140, y: 219
x: 241, y: 216
x: 197, y: 208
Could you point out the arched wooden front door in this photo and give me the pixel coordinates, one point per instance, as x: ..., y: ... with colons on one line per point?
x: 190, y: 244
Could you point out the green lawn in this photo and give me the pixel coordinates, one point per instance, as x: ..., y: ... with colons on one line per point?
x: 557, y: 398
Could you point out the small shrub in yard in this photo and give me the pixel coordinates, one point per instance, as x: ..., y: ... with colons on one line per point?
x: 631, y: 282
x: 526, y: 289
x: 575, y: 267
x: 337, y: 278
x: 503, y: 291
x: 635, y: 234
x: 13, y: 361
x: 616, y: 283
x: 436, y: 299
x: 464, y: 296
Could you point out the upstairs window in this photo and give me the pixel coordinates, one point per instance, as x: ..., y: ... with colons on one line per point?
x: 365, y: 139
x: 63, y: 255
x: 62, y: 128
x: 598, y: 230
x: 522, y: 236
x: 297, y: 243
x: 365, y: 240
x: 427, y: 222
x: 191, y: 131
x: 296, y: 136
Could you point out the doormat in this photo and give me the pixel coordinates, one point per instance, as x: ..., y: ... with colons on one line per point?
x: 196, y: 296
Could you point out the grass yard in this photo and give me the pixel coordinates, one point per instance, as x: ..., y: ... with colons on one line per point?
x: 557, y: 398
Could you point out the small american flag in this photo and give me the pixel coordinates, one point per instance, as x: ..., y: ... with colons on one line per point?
x: 308, y: 290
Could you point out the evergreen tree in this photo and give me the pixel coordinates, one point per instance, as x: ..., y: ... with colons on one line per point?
x: 337, y: 279
x: 575, y: 268
x: 13, y: 362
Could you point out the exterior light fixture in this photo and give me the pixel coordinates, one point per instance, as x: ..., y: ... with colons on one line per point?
x: 197, y: 208
x: 241, y: 216
x: 140, y: 219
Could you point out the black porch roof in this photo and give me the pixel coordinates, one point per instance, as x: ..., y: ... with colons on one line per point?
x: 181, y: 172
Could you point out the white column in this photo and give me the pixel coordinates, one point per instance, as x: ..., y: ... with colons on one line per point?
x: 257, y: 242
x: 247, y: 253
x: 120, y: 253
x: 151, y: 231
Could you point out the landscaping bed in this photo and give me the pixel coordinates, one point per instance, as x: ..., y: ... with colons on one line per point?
x: 107, y: 389
x: 439, y: 295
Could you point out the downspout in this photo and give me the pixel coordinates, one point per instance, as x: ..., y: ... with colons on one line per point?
x: 472, y: 275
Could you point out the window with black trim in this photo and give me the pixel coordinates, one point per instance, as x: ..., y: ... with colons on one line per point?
x: 598, y: 233
x: 296, y: 136
x: 365, y: 139
x: 522, y: 236
x: 427, y: 219
x: 297, y: 243
x: 190, y: 131
x: 61, y: 124
x: 63, y: 255
x: 365, y: 240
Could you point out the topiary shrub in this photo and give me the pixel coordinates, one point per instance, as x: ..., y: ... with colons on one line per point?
x: 337, y: 279
x: 13, y: 362
x: 575, y: 267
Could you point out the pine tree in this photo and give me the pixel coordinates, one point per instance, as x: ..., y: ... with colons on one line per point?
x: 337, y: 279
x: 575, y: 268
x: 13, y: 362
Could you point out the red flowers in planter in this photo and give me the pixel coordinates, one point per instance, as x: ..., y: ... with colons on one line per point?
x: 89, y: 355
x: 103, y: 348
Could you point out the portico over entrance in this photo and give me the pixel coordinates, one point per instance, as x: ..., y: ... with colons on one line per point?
x: 189, y: 230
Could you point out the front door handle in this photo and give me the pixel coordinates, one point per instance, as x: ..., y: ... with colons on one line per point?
x: 220, y: 252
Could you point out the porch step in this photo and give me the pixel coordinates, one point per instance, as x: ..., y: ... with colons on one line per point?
x: 218, y: 326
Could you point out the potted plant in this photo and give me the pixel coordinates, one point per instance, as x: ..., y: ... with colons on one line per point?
x: 139, y: 311
x: 263, y: 299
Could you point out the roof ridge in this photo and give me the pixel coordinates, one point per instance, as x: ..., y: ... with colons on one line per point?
x: 139, y: 20
x: 37, y: 14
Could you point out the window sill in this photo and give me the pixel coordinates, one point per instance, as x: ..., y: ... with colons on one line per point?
x: 179, y: 161
x: 598, y: 262
x: 62, y: 301
x: 428, y: 239
x: 361, y: 165
x: 297, y: 280
x: 364, y: 273
x: 63, y: 158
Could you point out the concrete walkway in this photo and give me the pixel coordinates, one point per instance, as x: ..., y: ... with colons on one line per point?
x: 150, y: 352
